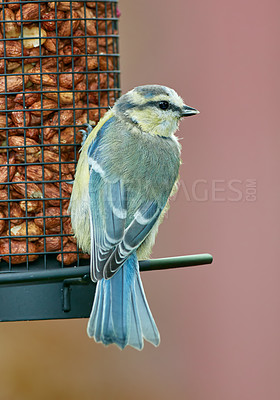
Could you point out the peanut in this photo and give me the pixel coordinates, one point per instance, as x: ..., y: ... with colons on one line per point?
x: 9, y: 29
x: 29, y: 11
x: 67, y: 229
x: 23, y: 145
x: 79, y: 40
x: 54, y: 162
x: 20, y: 249
x: 3, y: 197
x: 67, y: 136
x: 70, y: 25
x: 33, y: 55
x: 27, y: 99
x: 88, y: 25
x: 2, y: 222
x: 68, y: 258
x: 71, y: 77
x: 16, y: 214
x: 50, y: 43
x: 45, y: 107
x: 20, y: 118
x: 8, y: 171
x: 45, y: 77
x: 31, y: 190
x: 37, y: 173
x: 66, y: 186
x: 65, y: 5
x: 31, y: 206
x: 29, y: 158
x: 67, y: 51
x: 10, y: 66
x: 65, y: 95
x: 13, y: 50
x: 52, y: 18
x: 32, y: 133
x: 6, y: 101
x: 35, y: 32
x: 26, y: 229
x: 52, y: 193
x: 52, y: 243
x: 51, y: 218
x: 13, y: 6
x: 12, y: 83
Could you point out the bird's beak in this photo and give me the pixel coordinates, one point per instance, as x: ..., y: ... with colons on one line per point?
x: 188, y: 111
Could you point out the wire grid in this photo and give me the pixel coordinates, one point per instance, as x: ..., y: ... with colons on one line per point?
x: 59, y: 68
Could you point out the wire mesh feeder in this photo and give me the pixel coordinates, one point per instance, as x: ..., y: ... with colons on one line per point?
x: 59, y: 69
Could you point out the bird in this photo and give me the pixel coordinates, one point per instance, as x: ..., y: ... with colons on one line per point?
x: 127, y: 170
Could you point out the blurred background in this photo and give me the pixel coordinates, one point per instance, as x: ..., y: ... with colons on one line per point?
x: 219, y: 324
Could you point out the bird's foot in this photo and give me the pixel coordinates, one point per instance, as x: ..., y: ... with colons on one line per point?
x: 86, y: 132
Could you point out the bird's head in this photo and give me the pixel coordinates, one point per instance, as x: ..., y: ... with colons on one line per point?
x: 154, y: 109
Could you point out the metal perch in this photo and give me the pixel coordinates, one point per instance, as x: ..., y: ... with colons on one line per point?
x: 64, y: 293
x: 55, y: 275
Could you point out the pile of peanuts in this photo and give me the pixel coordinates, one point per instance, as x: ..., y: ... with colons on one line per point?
x: 56, y: 60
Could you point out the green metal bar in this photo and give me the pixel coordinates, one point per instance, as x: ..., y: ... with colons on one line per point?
x: 55, y: 275
x: 175, y: 262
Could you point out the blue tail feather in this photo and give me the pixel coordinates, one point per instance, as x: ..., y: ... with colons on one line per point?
x: 136, y: 335
x: 120, y: 291
x: 120, y: 312
x: 106, y: 324
x: 149, y: 328
x: 95, y: 324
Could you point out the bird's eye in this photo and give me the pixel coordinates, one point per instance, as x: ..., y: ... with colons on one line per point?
x: 164, y: 105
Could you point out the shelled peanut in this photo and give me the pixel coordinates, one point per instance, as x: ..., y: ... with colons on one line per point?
x: 52, y: 81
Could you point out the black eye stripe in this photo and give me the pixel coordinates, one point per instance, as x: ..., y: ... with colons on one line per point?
x: 172, y: 107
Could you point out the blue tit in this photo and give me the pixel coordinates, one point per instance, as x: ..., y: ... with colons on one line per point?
x: 127, y: 170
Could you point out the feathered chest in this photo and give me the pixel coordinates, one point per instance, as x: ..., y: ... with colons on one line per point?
x: 148, y: 163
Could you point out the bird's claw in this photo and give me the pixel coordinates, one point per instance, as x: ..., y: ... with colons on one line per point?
x: 86, y: 132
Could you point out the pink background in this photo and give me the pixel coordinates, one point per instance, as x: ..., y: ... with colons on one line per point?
x: 219, y: 324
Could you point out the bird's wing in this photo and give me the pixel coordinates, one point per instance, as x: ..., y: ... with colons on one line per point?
x: 143, y: 221
x: 112, y: 239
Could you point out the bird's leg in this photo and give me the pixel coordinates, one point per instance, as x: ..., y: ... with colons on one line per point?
x: 86, y: 132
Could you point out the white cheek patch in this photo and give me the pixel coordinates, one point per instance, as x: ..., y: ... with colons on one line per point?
x: 167, y: 127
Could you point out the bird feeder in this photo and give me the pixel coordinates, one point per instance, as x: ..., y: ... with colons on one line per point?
x: 59, y: 69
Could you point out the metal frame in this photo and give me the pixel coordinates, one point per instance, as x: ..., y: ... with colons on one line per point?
x: 67, y: 292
